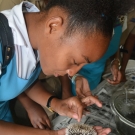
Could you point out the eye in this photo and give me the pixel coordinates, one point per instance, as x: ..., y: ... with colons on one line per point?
x: 75, y: 63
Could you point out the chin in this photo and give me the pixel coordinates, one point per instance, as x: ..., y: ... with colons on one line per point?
x: 46, y: 72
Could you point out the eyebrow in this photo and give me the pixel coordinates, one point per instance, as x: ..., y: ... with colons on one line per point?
x: 87, y: 59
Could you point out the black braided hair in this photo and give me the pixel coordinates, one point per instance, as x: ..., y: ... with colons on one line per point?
x: 91, y: 16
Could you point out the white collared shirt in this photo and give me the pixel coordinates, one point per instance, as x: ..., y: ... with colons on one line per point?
x: 25, y: 58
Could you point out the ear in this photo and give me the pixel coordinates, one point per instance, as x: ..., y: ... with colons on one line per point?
x: 54, y: 24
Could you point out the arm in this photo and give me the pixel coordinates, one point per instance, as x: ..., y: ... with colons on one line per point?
x: 36, y: 113
x: 66, y: 86
x: 82, y: 87
x: 72, y: 107
x: 119, y: 75
x: 37, y: 93
x: 63, y: 107
x: 129, y: 45
x: 116, y: 73
x: 7, y: 128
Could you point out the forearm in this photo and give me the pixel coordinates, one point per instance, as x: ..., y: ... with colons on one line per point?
x: 115, y: 56
x: 66, y: 86
x: 26, y: 101
x: 115, y: 59
x: 129, y: 45
x: 38, y: 94
x: 14, y: 129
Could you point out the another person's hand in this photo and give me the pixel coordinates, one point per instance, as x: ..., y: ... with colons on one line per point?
x: 82, y: 87
x: 38, y: 117
x: 102, y: 131
x: 83, y: 90
x: 116, y: 74
x: 90, y: 100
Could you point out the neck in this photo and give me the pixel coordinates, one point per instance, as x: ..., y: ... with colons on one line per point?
x: 34, y: 28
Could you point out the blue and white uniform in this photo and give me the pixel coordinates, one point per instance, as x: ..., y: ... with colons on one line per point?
x: 24, y: 67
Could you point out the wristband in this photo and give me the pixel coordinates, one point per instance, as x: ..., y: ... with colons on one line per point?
x: 74, y: 77
x: 49, y: 103
x: 116, y: 60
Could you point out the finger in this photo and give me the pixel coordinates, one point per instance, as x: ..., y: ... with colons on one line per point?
x: 46, y: 121
x: 70, y: 113
x: 112, y: 82
x: 80, y: 113
x: 46, y: 125
x: 78, y: 107
x: 97, y: 127
x: 91, y: 100
x: 34, y: 124
x: 102, y: 131
x: 49, y: 123
x: 41, y: 126
x: 105, y: 131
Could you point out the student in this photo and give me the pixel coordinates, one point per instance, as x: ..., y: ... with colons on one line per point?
x: 90, y: 75
x: 64, y: 37
x: 36, y: 113
x: 128, y: 43
x: 93, y: 71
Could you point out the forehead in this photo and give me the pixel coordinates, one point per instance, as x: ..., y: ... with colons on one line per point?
x: 92, y: 46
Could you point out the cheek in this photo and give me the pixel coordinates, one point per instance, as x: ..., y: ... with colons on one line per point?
x: 63, y: 63
x: 98, y: 53
x: 102, y: 51
x: 45, y: 65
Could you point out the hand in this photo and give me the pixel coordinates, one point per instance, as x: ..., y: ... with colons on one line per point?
x: 61, y: 131
x: 38, y: 117
x: 83, y: 92
x: 71, y: 107
x: 102, y: 131
x: 116, y: 73
x: 82, y: 87
x: 90, y: 100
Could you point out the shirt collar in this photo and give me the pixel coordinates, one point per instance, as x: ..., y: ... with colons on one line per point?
x: 25, y: 57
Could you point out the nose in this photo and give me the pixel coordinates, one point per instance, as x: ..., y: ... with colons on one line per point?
x: 74, y: 69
